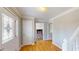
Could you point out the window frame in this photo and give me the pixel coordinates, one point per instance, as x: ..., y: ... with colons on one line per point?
x: 14, y: 18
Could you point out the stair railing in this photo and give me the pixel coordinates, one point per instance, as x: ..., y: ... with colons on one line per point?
x: 73, y: 43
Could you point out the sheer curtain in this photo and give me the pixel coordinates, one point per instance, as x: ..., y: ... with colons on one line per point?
x: 8, y: 27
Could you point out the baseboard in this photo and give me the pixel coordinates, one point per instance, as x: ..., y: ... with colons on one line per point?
x: 57, y: 45
x: 31, y: 43
x: 1, y: 49
x: 47, y: 39
x: 26, y: 44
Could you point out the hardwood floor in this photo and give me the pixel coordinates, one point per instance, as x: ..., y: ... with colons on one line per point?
x: 41, y: 45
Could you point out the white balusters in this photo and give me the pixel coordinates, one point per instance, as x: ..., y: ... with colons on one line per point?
x: 64, y: 45
x: 71, y: 44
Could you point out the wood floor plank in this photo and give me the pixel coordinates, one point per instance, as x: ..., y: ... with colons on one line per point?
x: 41, y: 45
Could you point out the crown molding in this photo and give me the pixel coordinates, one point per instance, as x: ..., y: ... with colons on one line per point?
x: 13, y: 11
x: 63, y: 13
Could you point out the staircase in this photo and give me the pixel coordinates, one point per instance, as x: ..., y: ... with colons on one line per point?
x: 71, y: 44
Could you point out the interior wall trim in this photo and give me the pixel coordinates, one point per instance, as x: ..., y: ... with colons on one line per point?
x: 63, y: 13
x: 13, y: 11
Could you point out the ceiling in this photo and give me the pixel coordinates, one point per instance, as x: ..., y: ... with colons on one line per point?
x: 51, y: 12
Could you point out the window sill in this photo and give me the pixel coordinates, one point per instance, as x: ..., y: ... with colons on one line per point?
x: 5, y: 41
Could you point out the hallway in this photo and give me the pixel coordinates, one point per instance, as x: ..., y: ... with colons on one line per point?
x: 41, y: 45
x: 22, y: 26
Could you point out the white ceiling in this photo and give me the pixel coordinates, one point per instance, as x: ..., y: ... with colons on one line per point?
x: 32, y: 11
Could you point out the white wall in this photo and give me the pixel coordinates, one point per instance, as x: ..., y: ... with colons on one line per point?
x: 46, y: 31
x: 51, y: 27
x: 50, y: 31
x: 64, y: 27
x: 0, y: 32
x: 39, y: 25
x: 19, y: 31
x: 28, y: 31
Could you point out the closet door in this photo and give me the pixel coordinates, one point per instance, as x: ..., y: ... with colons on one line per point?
x: 28, y: 32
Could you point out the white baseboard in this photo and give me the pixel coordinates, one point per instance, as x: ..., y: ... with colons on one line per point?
x: 47, y: 39
x: 26, y: 44
x: 57, y: 45
x: 29, y: 43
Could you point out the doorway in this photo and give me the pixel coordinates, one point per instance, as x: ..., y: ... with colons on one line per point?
x: 39, y: 31
x: 39, y: 34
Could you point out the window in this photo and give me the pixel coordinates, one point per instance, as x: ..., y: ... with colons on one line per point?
x: 7, y: 28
